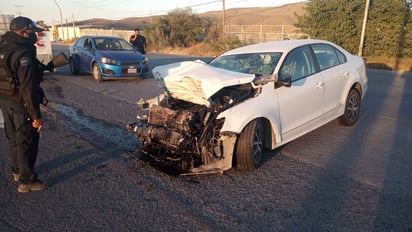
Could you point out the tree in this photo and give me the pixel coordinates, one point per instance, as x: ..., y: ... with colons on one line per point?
x: 180, y: 28
x: 407, y: 42
x: 385, y: 33
x: 340, y: 21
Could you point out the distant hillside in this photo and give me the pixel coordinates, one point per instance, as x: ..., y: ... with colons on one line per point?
x: 282, y: 15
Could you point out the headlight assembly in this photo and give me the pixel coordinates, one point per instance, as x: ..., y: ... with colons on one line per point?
x: 145, y: 60
x: 108, y: 61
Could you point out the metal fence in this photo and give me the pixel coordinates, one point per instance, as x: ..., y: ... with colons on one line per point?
x: 262, y: 33
x: 5, y: 23
x: 69, y: 33
x: 245, y: 33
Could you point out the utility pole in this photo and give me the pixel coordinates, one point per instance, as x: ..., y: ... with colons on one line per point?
x: 223, y: 16
x: 67, y: 29
x: 74, y: 29
x: 61, y: 18
x: 365, y: 18
x: 18, y: 7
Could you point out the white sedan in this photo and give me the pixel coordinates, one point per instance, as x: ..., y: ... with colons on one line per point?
x: 213, y: 116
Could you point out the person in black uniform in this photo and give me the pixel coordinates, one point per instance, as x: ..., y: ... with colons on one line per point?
x: 21, y: 112
x: 138, y: 41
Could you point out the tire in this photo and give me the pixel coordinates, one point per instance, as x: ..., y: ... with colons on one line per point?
x: 73, y: 69
x: 250, y: 146
x: 352, y: 108
x: 97, y: 75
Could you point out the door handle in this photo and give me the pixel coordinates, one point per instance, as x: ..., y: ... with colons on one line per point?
x: 319, y: 84
x: 346, y: 74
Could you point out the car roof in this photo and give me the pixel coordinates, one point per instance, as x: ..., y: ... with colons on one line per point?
x: 101, y: 36
x: 276, y: 46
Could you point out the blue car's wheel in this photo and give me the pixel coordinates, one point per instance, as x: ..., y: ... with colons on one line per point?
x: 73, y: 69
x: 97, y: 75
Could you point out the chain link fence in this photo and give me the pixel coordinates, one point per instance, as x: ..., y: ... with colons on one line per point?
x: 262, y: 33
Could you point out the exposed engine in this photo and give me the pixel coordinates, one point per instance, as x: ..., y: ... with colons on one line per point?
x: 184, y: 135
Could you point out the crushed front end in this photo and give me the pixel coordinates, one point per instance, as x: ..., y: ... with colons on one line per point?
x: 182, y: 129
x: 187, y: 137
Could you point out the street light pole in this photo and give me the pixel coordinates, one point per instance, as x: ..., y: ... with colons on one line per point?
x: 61, y: 18
x: 365, y: 18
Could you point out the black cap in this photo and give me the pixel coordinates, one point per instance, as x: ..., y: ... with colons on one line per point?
x: 24, y: 23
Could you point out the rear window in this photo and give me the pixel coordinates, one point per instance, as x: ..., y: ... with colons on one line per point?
x: 328, y: 56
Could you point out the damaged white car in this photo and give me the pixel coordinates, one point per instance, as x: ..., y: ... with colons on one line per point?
x: 225, y: 113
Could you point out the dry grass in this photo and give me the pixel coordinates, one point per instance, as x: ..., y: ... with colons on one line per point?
x: 201, y: 49
x: 403, y: 64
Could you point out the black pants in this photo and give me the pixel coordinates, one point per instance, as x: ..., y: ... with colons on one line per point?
x: 23, y: 139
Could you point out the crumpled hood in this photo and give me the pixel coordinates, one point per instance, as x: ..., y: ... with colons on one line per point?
x: 196, y: 81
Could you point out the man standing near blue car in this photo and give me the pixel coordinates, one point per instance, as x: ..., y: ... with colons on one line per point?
x: 138, y: 41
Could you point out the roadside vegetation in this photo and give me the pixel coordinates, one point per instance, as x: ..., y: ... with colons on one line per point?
x: 183, y: 32
x: 387, y: 43
x: 388, y: 34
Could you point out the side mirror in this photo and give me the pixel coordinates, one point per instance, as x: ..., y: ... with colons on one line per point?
x: 263, y: 79
x: 284, y: 81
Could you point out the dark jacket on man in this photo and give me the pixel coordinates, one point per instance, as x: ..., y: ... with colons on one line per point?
x: 23, y: 61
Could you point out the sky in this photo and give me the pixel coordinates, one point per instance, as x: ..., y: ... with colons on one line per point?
x: 49, y: 10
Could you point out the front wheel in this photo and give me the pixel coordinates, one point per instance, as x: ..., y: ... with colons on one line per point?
x: 352, y: 108
x: 97, y: 75
x: 73, y: 69
x: 250, y: 147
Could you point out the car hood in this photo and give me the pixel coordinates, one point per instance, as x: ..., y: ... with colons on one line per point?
x: 196, y: 81
x: 122, y: 55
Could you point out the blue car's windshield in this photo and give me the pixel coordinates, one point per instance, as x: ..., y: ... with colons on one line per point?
x: 112, y: 44
x: 251, y: 63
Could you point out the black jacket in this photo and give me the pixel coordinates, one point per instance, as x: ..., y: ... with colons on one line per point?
x: 139, y: 43
x: 28, y: 70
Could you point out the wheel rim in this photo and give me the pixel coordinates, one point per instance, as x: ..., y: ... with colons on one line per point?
x: 353, y: 107
x: 96, y: 73
x: 258, y: 144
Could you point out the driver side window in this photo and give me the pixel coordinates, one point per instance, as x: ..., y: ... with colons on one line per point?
x: 87, y: 44
x: 298, y: 64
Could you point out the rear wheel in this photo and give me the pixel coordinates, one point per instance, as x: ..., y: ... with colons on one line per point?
x: 352, y: 108
x: 73, y: 69
x: 97, y: 75
x: 249, y: 148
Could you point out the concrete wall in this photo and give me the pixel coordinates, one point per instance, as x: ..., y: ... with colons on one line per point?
x: 70, y: 33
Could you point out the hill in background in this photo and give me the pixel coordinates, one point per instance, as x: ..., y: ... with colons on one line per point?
x: 282, y: 15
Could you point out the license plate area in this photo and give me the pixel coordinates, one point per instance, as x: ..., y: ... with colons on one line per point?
x: 131, y: 70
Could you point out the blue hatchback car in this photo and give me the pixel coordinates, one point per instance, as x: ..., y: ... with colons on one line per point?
x: 106, y: 57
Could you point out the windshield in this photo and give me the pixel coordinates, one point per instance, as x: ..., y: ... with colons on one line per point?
x: 250, y: 63
x: 112, y: 44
